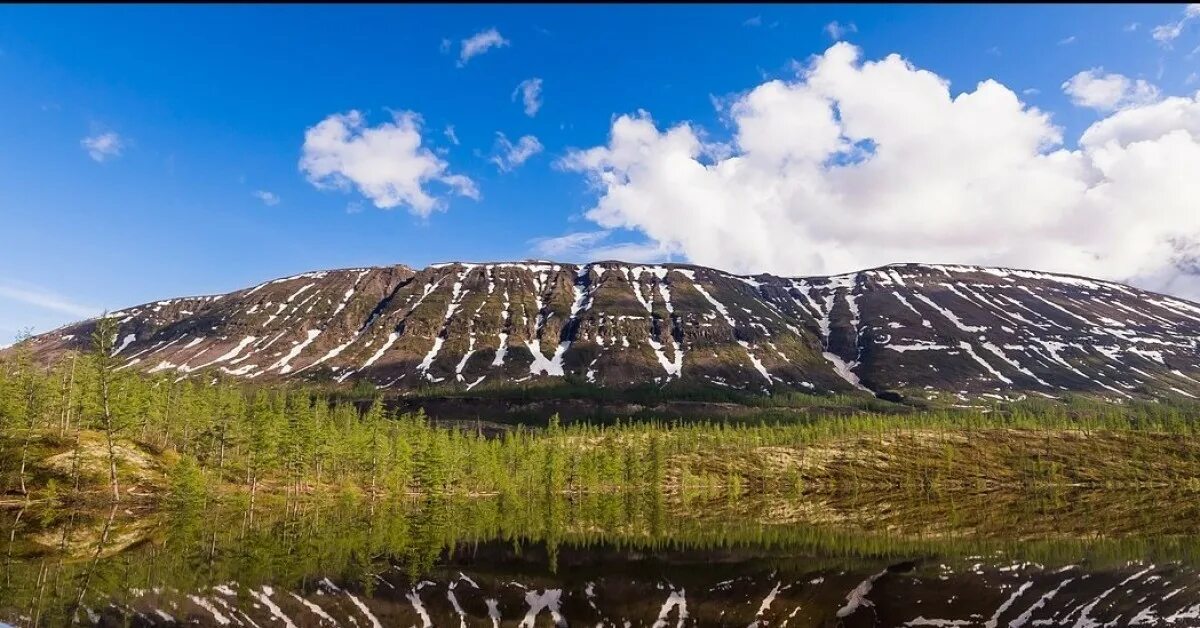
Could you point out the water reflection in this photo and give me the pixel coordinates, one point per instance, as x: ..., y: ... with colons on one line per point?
x: 855, y: 560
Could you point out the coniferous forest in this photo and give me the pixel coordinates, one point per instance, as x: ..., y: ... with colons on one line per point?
x: 84, y: 429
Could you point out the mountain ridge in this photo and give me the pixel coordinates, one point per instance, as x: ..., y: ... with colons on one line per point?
x: 680, y: 264
x: 454, y: 325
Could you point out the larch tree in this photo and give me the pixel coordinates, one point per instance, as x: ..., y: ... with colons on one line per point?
x: 104, y: 339
x: 26, y: 402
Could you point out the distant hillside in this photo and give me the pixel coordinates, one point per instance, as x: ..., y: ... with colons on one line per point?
x: 912, y: 330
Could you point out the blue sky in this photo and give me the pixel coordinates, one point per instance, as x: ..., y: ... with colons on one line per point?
x: 193, y: 112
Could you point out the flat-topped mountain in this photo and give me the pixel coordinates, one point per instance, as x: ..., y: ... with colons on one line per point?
x: 919, y: 330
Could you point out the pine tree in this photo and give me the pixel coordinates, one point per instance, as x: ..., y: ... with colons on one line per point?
x: 67, y: 395
x: 657, y: 462
x: 104, y: 339
x: 431, y: 471
x: 400, y: 460
x: 262, y: 440
x: 188, y: 490
x: 26, y: 402
x: 372, y: 423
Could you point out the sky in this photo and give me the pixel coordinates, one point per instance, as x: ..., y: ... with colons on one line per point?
x: 148, y: 152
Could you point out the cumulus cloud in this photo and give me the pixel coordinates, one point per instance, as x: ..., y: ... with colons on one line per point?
x: 855, y: 164
x: 530, y: 93
x: 1107, y: 92
x: 480, y: 43
x: 837, y: 30
x: 508, y: 156
x: 385, y: 163
x: 1169, y: 32
x: 270, y: 199
x: 103, y: 146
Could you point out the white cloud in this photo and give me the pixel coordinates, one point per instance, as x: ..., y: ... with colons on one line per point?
x: 637, y: 252
x: 1031, y: 91
x: 385, y: 163
x: 1167, y: 33
x: 591, y: 246
x: 1106, y: 92
x: 1066, y: 41
x: 44, y: 299
x: 1132, y: 26
x: 450, y: 134
x: 757, y: 21
x: 530, y: 91
x: 103, y: 146
x: 853, y: 165
x: 568, y: 245
x: 508, y: 156
x: 270, y: 199
x: 480, y: 43
x: 837, y: 30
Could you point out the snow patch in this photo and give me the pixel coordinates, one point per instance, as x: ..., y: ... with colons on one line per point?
x: 552, y: 366
x: 387, y: 344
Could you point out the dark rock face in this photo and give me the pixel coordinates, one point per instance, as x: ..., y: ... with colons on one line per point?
x: 908, y: 330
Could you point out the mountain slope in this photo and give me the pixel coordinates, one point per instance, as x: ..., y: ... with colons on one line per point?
x: 912, y: 329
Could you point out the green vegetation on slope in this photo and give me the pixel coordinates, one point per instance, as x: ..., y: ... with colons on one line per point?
x: 82, y: 427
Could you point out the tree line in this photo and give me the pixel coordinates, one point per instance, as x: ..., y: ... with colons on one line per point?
x: 297, y: 439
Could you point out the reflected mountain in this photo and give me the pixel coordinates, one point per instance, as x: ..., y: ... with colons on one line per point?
x: 613, y: 560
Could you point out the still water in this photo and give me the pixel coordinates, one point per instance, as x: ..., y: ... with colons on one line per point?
x: 620, y: 560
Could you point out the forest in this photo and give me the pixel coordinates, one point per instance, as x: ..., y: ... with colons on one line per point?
x: 83, y: 429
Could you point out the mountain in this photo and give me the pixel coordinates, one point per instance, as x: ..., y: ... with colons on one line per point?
x: 905, y: 330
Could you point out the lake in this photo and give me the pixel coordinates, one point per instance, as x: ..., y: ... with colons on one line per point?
x: 1042, y: 559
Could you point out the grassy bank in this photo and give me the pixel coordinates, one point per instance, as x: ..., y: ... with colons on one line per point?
x: 690, y: 462
x: 953, y: 459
